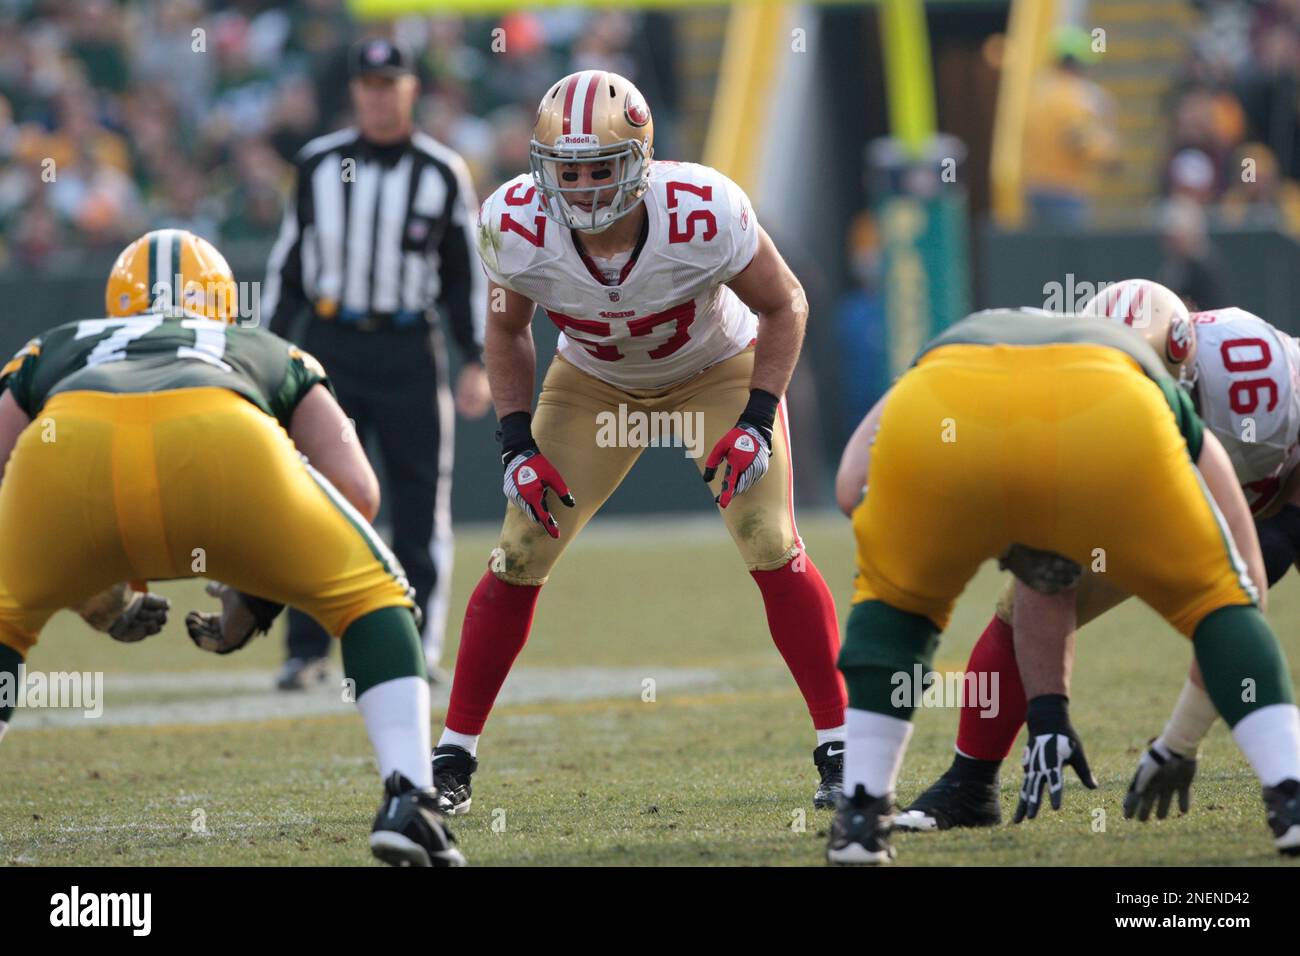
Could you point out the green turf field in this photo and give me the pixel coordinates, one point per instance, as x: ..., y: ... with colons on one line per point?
x: 194, y: 761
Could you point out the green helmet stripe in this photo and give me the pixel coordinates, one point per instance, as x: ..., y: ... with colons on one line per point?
x: 168, y: 250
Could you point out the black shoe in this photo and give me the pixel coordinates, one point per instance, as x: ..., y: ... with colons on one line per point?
x: 1283, y: 805
x: 409, y: 831
x: 959, y: 798
x: 452, y: 768
x: 299, y: 673
x: 860, y: 830
x: 829, y: 759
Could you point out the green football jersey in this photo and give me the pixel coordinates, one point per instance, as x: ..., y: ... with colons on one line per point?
x: 1032, y: 327
x: 153, y: 353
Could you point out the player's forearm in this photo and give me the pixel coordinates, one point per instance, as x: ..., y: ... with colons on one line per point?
x: 776, y: 353
x: 328, y: 438
x: 1216, y: 469
x: 1044, y: 640
x: 1192, y: 717
x: 511, y: 367
x: 855, y: 463
x: 13, y: 420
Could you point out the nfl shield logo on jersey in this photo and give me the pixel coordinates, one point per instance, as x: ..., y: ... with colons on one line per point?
x: 614, y: 295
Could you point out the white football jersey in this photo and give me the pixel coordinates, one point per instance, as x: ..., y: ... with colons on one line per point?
x: 671, y: 316
x: 1248, y: 381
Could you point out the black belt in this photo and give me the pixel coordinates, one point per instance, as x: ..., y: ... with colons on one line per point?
x: 404, y: 320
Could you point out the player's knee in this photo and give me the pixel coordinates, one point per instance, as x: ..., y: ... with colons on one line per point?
x: 765, y: 545
x: 512, y: 565
x: 880, y: 636
x: 886, y: 651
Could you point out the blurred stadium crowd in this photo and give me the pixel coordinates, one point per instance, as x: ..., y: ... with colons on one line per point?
x: 1235, y: 138
x: 117, y: 118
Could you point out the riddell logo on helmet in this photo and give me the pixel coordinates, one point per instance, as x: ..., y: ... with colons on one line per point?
x: 576, y: 140
x: 637, y: 113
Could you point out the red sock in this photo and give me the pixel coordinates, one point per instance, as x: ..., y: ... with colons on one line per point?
x: 990, y: 737
x: 496, y: 626
x: 801, y: 616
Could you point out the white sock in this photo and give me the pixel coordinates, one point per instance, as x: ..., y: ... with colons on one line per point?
x: 1189, y: 723
x: 4, y: 726
x: 874, y: 751
x: 1270, y: 739
x: 463, y: 741
x: 396, y: 713
x: 835, y: 734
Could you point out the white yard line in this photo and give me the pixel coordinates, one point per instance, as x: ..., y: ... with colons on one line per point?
x: 249, y: 696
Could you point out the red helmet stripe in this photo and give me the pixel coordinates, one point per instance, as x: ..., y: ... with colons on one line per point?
x: 1135, y: 305
x: 568, y: 103
x: 594, y: 82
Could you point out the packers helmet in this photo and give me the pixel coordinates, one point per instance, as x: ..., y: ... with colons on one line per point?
x: 590, y: 117
x: 1158, y: 315
x: 172, y: 272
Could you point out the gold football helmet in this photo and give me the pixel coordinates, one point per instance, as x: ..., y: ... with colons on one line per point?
x: 591, y: 118
x: 172, y: 272
x: 1158, y: 315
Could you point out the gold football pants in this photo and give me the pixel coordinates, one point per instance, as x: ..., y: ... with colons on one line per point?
x: 177, y: 484
x: 1065, y: 448
x: 593, y: 433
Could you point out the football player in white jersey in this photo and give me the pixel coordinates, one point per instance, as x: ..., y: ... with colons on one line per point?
x: 1245, y: 380
x: 675, y: 310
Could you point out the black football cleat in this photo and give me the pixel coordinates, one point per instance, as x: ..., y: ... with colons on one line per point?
x: 860, y: 830
x: 957, y: 799
x: 1283, y: 805
x: 409, y: 829
x: 829, y: 760
x: 452, y: 768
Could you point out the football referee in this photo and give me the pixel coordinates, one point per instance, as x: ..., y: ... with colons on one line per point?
x: 376, y: 237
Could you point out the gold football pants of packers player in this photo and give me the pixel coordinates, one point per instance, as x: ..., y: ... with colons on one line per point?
x: 571, y: 412
x: 1067, y: 448
x: 102, y: 488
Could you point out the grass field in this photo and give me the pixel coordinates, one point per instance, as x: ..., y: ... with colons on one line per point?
x: 195, y: 761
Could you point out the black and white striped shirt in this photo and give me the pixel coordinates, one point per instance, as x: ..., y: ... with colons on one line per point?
x: 377, y: 236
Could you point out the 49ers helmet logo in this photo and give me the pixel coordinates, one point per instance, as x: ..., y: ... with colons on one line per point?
x: 1179, y: 343
x: 637, y: 113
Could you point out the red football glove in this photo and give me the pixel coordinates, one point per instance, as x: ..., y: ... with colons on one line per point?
x: 529, y: 476
x: 746, y: 451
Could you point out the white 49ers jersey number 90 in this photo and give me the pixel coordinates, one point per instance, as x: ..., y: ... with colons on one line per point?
x: 1248, y: 378
x: 670, y: 316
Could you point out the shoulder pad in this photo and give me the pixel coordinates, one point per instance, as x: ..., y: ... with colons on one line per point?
x: 512, y: 228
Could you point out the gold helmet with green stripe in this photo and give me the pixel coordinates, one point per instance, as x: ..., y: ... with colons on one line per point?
x: 172, y: 272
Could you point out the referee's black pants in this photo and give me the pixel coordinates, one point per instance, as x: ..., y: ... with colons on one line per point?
x: 393, y: 385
